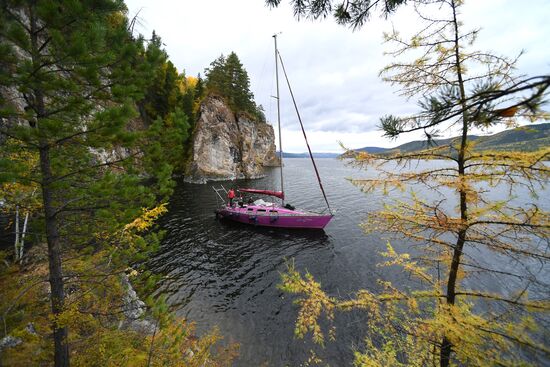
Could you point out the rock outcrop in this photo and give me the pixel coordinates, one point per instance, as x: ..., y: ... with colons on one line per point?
x: 228, y: 145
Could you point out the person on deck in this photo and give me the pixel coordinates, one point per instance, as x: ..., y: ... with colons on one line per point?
x: 231, y: 196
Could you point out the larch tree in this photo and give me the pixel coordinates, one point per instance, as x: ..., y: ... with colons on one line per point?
x: 470, y: 214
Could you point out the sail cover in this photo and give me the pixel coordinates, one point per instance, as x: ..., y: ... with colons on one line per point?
x: 278, y: 194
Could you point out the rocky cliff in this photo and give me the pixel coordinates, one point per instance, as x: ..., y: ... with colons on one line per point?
x: 228, y: 145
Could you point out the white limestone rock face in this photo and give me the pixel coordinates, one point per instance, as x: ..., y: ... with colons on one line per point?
x: 228, y: 145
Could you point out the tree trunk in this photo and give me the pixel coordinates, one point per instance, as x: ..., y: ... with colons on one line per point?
x: 60, y: 334
x: 446, y: 345
x: 22, y: 244
x: 16, y: 244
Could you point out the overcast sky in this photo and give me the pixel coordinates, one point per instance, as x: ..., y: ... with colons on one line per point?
x: 333, y: 71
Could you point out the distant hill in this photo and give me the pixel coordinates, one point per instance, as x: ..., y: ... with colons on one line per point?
x: 373, y: 150
x: 306, y: 155
x: 524, y: 139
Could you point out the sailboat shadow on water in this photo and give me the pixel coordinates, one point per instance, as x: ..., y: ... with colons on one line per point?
x: 264, y: 214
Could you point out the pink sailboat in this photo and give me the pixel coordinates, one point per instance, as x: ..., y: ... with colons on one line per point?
x: 269, y: 214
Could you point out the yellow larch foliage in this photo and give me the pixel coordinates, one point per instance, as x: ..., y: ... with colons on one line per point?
x: 147, y: 218
x: 192, y: 82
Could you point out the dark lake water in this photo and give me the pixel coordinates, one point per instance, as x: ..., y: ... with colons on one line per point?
x: 225, y: 274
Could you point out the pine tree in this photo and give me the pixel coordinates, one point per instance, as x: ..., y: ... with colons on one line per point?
x: 73, y: 73
x: 199, y: 88
x: 167, y: 107
x: 238, y: 83
x: 163, y: 95
x: 216, y: 78
x: 186, y: 101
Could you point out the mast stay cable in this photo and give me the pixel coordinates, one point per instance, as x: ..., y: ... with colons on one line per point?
x: 303, y: 131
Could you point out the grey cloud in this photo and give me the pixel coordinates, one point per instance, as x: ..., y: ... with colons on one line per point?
x: 333, y: 71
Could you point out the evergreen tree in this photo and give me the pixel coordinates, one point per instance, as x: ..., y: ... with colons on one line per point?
x: 228, y: 77
x: 199, y: 88
x: 163, y: 95
x: 238, y: 84
x: 216, y: 78
x: 187, y: 102
x: 198, y: 95
x: 166, y: 97
x: 187, y: 97
x: 73, y: 73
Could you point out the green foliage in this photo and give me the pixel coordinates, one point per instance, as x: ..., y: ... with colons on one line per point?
x: 352, y: 13
x: 101, y: 70
x: 169, y: 107
x: 162, y: 95
x: 72, y: 74
x: 165, y: 142
x: 226, y: 76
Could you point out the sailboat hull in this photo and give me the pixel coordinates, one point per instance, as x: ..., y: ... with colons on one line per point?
x: 274, y: 217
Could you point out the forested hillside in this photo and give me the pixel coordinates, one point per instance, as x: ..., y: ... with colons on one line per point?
x: 94, y: 122
x: 521, y: 139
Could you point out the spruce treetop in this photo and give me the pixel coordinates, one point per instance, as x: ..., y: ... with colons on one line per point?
x: 228, y: 77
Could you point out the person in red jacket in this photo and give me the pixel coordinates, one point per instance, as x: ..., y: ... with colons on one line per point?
x: 231, y: 196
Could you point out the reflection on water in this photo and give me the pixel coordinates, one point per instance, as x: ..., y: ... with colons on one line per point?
x: 225, y: 273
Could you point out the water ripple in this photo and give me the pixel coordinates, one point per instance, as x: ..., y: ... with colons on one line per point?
x: 225, y: 274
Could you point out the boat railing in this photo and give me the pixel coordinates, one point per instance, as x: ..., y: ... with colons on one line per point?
x: 218, y: 190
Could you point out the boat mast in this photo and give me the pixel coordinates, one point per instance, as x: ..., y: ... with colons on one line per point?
x: 279, y: 114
